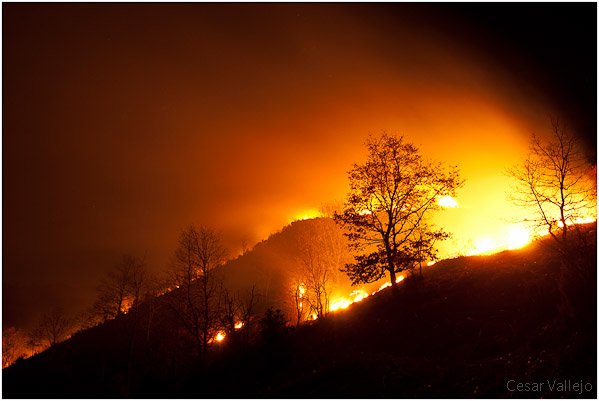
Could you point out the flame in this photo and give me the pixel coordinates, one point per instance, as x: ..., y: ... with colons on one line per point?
x: 220, y: 336
x: 447, y: 202
x: 355, y: 296
x: 483, y: 245
x: 238, y: 325
x: 306, y: 215
x: 341, y: 304
x: 517, y: 238
x: 578, y: 220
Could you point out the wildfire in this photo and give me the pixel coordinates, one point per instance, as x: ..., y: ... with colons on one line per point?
x: 307, y: 215
x: 358, y: 295
x: 447, y: 202
x: 483, y: 245
x: 578, y: 220
x: 221, y: 335
x: 517, y: 238
x: 355, y: 296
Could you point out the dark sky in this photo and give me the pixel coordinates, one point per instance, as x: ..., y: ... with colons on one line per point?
x: 123, y: 123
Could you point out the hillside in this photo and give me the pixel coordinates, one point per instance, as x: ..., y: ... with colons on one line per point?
x: 467, y: 329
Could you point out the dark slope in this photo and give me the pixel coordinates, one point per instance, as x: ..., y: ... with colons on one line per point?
x: 468, y: 328
x: 472, y: 325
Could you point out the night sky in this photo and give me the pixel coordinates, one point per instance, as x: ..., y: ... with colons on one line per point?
x: 123, y: 123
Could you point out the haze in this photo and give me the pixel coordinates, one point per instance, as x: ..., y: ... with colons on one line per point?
x: 123, y: 123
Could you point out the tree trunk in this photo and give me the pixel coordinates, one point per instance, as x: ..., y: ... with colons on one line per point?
x: 394, y: 288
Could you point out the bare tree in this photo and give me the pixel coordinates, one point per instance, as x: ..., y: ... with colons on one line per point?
x: 53, y: 328
x: 231, y: 313
x: 554, y: 184
x: 196, y: 301
x: 238, y: 312
x: 121, y: 289
x: 322, y: 252
x: 558, y: 188
x: 247, y: 310
x: 297, y: 290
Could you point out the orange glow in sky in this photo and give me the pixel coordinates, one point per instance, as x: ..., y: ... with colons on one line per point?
x: 243, y: 119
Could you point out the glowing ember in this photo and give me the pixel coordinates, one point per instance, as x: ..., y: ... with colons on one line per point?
x: 220, y: 336
x: 239, y: 325
x: 430, y: 263
x: 447, y: 202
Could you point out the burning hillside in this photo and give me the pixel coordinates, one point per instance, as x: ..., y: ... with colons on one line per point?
x: 500, y: 312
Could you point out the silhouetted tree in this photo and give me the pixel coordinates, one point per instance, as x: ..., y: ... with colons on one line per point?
x: 247, y: 309
x: 391, y: 198
x: 196, y: 301
x: 555, y: 185
x: 273, y: 326
x: 322, y: 251
x: 231, y: 313
x: 423, y: 247
x: 14, y: 346
x: 121, y: 289
x: 237, y: 313
x: 558, y: 188
x: 297, y: 291
x: 53, y: 328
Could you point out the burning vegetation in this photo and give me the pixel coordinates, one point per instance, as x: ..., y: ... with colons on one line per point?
x: 205, y: 314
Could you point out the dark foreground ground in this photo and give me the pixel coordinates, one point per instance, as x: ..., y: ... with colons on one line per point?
x: 511, y: 324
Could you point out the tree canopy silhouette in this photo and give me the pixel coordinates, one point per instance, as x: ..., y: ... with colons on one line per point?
x: 392, y: 196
